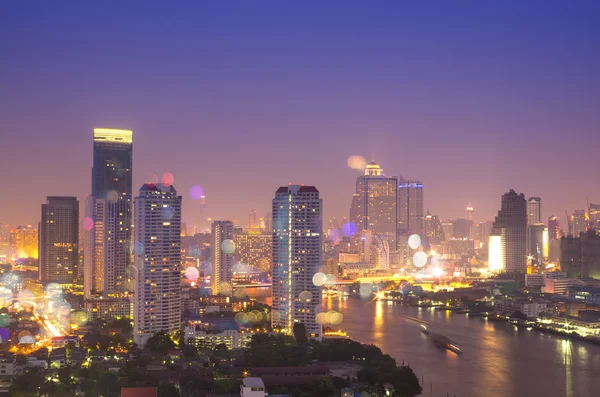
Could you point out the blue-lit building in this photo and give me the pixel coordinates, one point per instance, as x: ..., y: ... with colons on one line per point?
x: 585, y: 294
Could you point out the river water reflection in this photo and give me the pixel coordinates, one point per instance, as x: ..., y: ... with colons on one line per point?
x: 498, y: 360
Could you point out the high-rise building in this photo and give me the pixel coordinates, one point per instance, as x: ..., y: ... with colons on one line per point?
x: 376, y: 202
x: 222, y: 259
x: 157, y: 270
x: 580, y: 255
x: 109, y: 209
x: 433, y: 227
x: 578, y: 222
x: 594, y: 215
x: 508, y: 239
x: 356, y: 211
x: 537, y: 243
x: 410, y: 207
x: 59, y: 240
x: 253, y: 249
x: 252, y: 220
x: 269, y: 222
x: 469, y: 211
x: 297, y: 257
x: 534, y: 210
x: 554, y: 232
x: 23, y: 242
x: 462, y: 228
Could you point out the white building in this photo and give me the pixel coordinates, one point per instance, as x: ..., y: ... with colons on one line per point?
x: 201, y: 338
x: 530, y: 308
x: 156, y: 273
x: 560, y: 286
x: 252, y: 387
x: 539, y: 280
x: 222, y: 261
x: 297, y: 257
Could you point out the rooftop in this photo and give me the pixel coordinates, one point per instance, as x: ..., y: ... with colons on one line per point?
x: 253, y: 382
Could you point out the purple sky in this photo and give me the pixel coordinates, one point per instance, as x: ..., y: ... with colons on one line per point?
x: 242, y: 97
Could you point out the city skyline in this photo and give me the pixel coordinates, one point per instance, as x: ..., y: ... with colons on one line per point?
x: 374, y: 99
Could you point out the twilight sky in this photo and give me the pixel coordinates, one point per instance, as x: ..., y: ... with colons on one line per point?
x: 473, y: 98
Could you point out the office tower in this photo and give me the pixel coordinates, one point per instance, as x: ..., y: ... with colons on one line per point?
x: 508, y: 239
x: 252, y: 220
x: 253, y: 249
x: 269, y: 222
x: 534, y: 210
x: 356, y: 211
x: 483, y: 231
x: 376, y: 203
x: 297, y: 257
x: 470, y: 212
x: 157, y: 270
x: 107, y: 242
x: 537, y: 243
x: 23, y: 242
x: 433, y: 227
x: 410, y: 207
x: 59, y: 240
x: 594, y: 215
x: 448, y: 228
x: 554, y: 232
x: 222, y: 260
x: 578, y: 222
x: 580, y: 255
x: 461, y: 228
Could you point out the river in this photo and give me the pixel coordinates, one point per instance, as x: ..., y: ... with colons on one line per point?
x: 498, y: 360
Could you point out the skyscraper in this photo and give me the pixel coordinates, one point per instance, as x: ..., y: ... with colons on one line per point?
x: 157, y: 270
x: 254, y: 249
x: 376, y: 203
x: 508, y: 239
x: 594, y: 215
x: 469, y: 211
x: 534, y: 211
x: 578, y: 222
x: 59, y: 240
x: 252, y: 220
x: 554, y: 232
x: 410, y: 207
x: 433, y: 227
x: 24, y: 242
x: 297, y: 257
x: 222, y: 260
x: 107, y: 242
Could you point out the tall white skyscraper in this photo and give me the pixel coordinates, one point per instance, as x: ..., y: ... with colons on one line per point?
x: 297, y: 256
x: 222, y: 260
x: 157, y: 265
x: 534, y: 211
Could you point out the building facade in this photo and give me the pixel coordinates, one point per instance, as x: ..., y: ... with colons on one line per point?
x: 222, y: 261
x: 254, y: 249
x: 297, y: 257
x: 59, y: 240
x: 508, y: 239
x: 109, y: 214
x: 24, y: 242
x: 157, y: 270
x: 410, y: 207
x: 534, y: 210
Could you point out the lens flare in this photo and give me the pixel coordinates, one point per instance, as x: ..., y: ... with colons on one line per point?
x: 167, y: 179
x: 191, y: 273
x: 112, y: 196
x: 414, y: 241
x: 305, y: 296
x: 228, y: 247
x: 196, y: 192
x: 88, y: 223
x: 419, y: 259
x: 356, y: 162
x: 168, y: 213
x: 319, y: 279
x: 349, y: 229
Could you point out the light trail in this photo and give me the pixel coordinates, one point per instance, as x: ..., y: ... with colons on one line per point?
x: 52, y: 328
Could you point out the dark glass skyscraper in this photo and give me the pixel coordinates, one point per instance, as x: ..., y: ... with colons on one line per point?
x: 107, y: 248
x: 59, y: 240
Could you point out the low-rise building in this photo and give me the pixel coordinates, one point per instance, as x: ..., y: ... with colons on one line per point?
x: 560, y: 286
x: 539, y: 279
x: 252, y: 387
x: 531, y: 308
x: 210, y: 338
x: 108, y: 308
x: 585, y: 294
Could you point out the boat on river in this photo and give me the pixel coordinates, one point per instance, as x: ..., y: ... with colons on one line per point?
x: 441, y: 341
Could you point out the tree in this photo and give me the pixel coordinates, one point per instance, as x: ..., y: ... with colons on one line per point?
x: 322, y: 387
x: 167, y: 390
x: 519, y: 315
x: 300, y: 333
x: 160, y: 342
